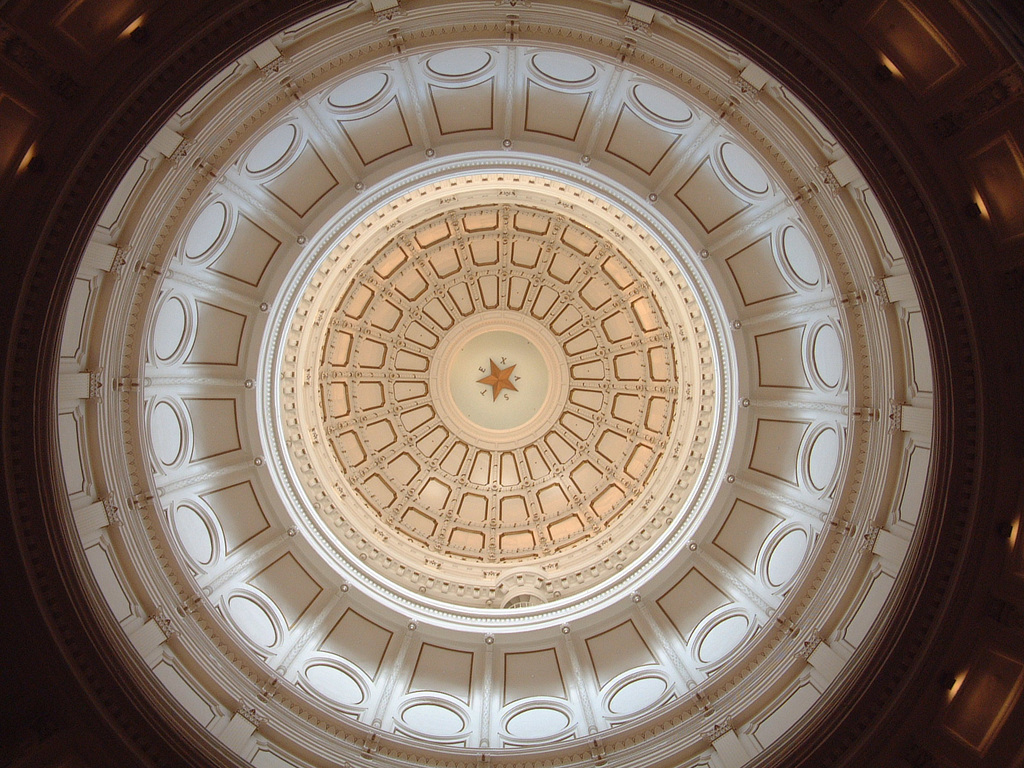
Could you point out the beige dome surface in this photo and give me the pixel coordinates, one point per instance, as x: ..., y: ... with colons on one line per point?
x: 518, y: 389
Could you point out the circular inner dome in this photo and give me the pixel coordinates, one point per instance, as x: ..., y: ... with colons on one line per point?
x: 498, y: 381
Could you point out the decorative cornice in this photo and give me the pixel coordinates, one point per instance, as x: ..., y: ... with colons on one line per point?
x: 251, y: 713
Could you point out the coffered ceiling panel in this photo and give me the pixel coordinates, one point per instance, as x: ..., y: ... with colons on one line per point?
x: 617, y: 650
x: 638, y: 142
x: 533, y: 673
x: 214, y: 426
x: 378, y: 134
x: 74, y: 337
x: 777, y: 444
x: 708, y: 198
x: 914, y: 45
x: 358, y: 640
x: 238, y: 512
x: 443, y: 670
x: 289, y: 585
x: 745, y: 531
x: 18, y: 122
x: 467, y: 108
x: 218, y: 335
x: 780, y: 359
x: 757, y: 275
x: 303, y: 183
x: 690, y: 600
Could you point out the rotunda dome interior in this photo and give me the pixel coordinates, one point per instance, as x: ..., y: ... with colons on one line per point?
x: 546, y: 387
x: 519, y: 343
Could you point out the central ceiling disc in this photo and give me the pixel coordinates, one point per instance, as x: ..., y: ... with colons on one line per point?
x: 498, y: 379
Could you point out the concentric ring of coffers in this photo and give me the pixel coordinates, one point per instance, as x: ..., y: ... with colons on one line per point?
x: 230, y: 595
x: 417, y: 472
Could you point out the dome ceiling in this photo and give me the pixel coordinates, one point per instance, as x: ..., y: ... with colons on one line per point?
x: 498, y: 385
x: 485, y: 388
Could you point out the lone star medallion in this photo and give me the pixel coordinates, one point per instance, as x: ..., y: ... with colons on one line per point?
x: 500, y: 378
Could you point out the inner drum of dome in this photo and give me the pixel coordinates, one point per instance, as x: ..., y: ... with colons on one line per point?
x: 501, y: 377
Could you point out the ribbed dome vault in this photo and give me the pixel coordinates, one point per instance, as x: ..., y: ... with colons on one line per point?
x: 466, y: 489
x: 527, y: 384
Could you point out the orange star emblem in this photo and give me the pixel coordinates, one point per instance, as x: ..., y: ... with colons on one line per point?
x: 500, y: 378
